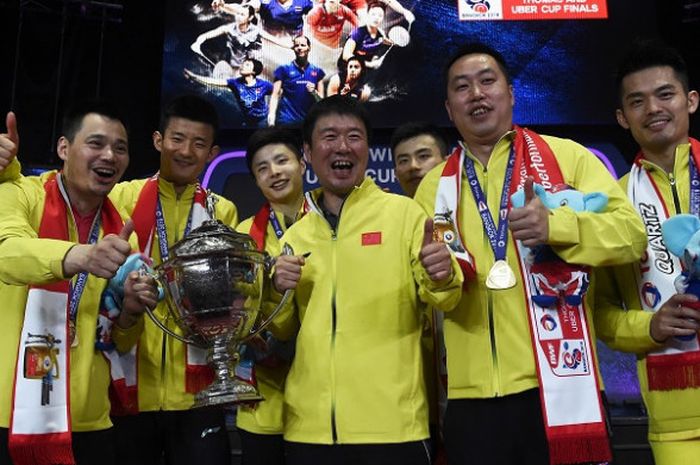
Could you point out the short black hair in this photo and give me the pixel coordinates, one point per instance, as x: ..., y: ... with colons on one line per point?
x: 650, y: 53
x: 190, y: 107
x: 257, y: 65
x: 74, y: 116
x: 335, y: 105
x: 418, y: 128
x: 473, y: 48
x: 272, y: 135
x: 301, y: 36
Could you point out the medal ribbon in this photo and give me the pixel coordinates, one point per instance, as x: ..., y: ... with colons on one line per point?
x: 75, y: 291
x: 162, y: 232
x: 497, y: 236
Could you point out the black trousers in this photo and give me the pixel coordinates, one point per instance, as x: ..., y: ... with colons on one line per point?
x: 404, y: 453
x: 183, y: 437
x: 261, y: 449
x: 505, y: 430
x: 89, y: 448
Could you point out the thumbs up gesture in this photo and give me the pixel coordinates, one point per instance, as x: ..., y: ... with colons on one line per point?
x: 434, y: 256
x: 530, y: 223
x: 9, y: 141
x: 103, y: 258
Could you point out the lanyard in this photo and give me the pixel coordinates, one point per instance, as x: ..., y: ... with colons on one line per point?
x: 497, y: 235
x: 694, y: 186
x: 163, y: 233
x: 276, y: 224
x: 75, y: 291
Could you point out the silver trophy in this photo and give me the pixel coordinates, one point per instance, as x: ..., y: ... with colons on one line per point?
x: 213, y: 284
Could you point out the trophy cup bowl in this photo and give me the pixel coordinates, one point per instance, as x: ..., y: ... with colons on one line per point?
x: 213, y: 283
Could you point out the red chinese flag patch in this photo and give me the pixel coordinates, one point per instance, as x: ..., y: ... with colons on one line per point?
x: 372, y: 238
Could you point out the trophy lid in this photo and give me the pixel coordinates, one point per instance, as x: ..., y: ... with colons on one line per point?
x: 214, y: 237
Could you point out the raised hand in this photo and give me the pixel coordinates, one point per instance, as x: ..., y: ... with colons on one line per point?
x: 530, y: 223
x: 434, y: 256
x: 103, y: 258
x: 9, y: 141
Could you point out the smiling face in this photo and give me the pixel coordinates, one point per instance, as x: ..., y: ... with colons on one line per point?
x: 96, y: 158
x: 301, y: 47
x: 656, y: 109
x: 479, y: 99
x: 279, y: 174
x: 338, y: 153
x: 185, y: 148
x: 414, y: 157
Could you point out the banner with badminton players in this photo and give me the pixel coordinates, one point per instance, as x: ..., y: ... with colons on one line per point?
x: 264, y: 62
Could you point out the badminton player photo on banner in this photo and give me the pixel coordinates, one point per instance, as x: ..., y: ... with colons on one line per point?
x: 265, y: 62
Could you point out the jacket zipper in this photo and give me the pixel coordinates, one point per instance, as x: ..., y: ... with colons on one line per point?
x: 676, y: 201
x: 334, y: 323
x: 334, y: 429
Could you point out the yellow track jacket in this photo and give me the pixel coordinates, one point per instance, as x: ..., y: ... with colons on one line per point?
x: 266, y: 416
x: 487, y: 336
x: 357, y: 375
x: 161, y: 358
x: 27, y: 259
x: 673, y: 415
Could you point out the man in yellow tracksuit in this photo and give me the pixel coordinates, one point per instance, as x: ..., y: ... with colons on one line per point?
x: 356, y: 389
x: 54, y: 230
x: 165, y: 425
x: 495, y: 407
x: 655, y: 105
x: 274, y: 159
x: 417, y: 147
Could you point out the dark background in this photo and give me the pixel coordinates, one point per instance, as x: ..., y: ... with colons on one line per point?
x: 54, y: 51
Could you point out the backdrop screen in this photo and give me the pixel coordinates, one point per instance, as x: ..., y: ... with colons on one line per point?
x: 562, y: 68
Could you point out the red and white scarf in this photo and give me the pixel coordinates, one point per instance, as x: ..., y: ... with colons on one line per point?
x: 40, y: 425
x: 198, y: 374
x: 677, y: 364
x: 566, y: 365
x: 258, y: 231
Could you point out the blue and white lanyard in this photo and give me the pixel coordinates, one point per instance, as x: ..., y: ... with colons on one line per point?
x: 163, y: 233
x: 497, y: 235
x: 75, y: 291
x: 275, y: 224
x: 694, y: 187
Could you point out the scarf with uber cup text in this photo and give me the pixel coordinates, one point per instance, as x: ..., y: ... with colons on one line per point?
x: 40, y: 424
x: 149, y: 224
x: 677, y: 364
x: 566, y: 367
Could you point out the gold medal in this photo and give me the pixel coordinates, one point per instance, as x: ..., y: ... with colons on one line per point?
x: 500, y: 276
x: 72, y: 334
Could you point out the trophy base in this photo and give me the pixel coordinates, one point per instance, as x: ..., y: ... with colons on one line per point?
x: 233, y: 392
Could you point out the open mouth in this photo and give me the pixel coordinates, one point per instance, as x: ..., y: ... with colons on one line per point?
x: 657, y: 123
x: 105, y: 173
x: 342, y: 165
x: 279, y: 185
x: 480, y: 111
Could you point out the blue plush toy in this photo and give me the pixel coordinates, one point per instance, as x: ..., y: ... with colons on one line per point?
x: 555, y: 280
x: 112, y: 297
x: 681, y: 234
x: 563, y: 196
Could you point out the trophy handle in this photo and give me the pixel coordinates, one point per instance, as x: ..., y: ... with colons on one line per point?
x: 168, y: 331
x: 286, y: 250
x: 156, y: 320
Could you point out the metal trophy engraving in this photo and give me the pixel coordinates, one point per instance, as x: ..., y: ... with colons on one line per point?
x: 213, y: 283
